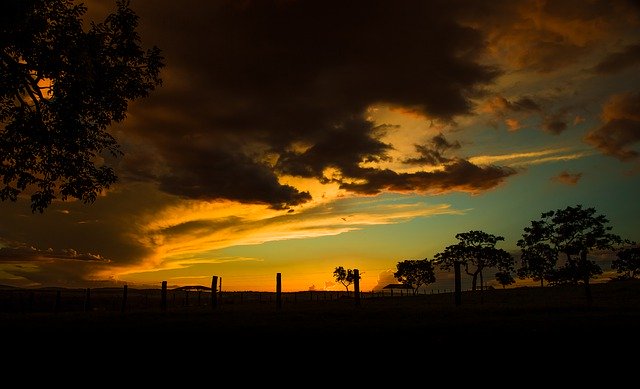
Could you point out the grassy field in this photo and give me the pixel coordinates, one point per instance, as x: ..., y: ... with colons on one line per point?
x: 555, y: 321
x: 540, y: 317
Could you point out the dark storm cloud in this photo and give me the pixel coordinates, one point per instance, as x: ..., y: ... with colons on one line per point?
x: 22, y: 253
x: 211, y: 173
x: 31, y: 266
x: 459, y: 175
x: 534, y: 35
x: 197, y: 228
x: 501, y: 105
x: 432, y: 154
x: 621, y: 60
x: 620, y: 129
x: 104, y: 229
x: 343, y: 147
x: 524, y: 104
x: 59, y: 273
x: 245, y: 80
x: 554, y: 124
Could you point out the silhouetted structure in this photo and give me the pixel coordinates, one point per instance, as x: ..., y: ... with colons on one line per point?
x: 400, y: 287
x: 214, y: 295
x: 87, y: 300
x: 278, y: 291
x: 123, y: 308
x: 163, y: 297
x: 356, y: 286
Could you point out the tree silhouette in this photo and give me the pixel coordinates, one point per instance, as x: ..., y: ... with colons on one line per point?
x: 415, y: 272
x: 344, y: 276
x: 475, y: 251
x: 574, y: 232
x: 504, y: 278
x: 538, y: 259
x: 60, y: 89
x: 628, y: 262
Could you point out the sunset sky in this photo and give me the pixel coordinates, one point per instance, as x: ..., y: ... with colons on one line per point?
x: 297, y: 136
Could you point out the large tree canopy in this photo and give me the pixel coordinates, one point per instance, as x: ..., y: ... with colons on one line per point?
x: 476, y: 251
x: 572, y: 232
x: 61, y: 86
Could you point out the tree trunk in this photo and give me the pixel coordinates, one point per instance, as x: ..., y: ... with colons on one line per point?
x: 585, y: 276
x: 542, y: 282
x: 481, y: 288
x: 458, y: 284
x: 474, y: 282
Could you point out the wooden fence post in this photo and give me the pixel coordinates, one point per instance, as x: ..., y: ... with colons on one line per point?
x: 356, y: 286
x: 214, y: 292
x: 56, y: 304
x: 279, y: 291
x: 163, y: 297
x: 123, y: 308
x: 87, y: 300
x: 220, y: 291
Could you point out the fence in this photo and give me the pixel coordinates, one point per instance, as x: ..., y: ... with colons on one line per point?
x: 131, y: 299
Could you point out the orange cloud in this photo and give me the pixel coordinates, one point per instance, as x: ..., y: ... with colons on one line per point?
x: 567, y: 178
x: 620, y: 129
x: 513, y: 124
x: 544, y: 36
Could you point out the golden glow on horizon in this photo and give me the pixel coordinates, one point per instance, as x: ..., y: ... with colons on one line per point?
x: 255, y: 225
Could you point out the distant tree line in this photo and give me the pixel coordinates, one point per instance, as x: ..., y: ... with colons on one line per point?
x: 553, y: 249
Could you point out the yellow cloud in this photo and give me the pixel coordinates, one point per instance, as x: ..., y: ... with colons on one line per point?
x: 186, y: 235
x: 529, y: 157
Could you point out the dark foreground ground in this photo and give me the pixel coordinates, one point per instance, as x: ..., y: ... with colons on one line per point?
x: 507, y: 322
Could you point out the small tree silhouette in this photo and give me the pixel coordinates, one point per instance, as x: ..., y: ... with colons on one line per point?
x: 344, y: 276
x: 415, y: 273
x: 504, y: 278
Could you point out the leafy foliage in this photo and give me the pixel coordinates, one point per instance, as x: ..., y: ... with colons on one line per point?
x: 538, y: 261
x: 504, y: 278
x: 475, y: 252
x: 344, y: 276
x: 572, y: 232
x: 61, y: 87
x: 415, y: 273
x: 627, y: 262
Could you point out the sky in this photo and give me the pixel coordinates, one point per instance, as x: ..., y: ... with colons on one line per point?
x: 296, y: 136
